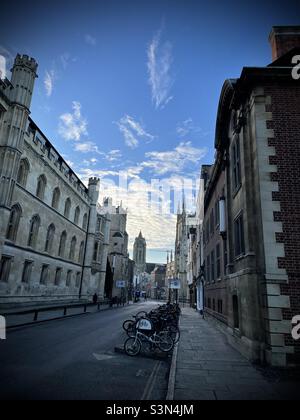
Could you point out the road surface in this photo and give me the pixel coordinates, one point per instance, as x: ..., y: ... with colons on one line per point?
x: 74, y: 359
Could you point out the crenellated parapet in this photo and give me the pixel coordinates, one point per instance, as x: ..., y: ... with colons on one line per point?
x: 26, y: 62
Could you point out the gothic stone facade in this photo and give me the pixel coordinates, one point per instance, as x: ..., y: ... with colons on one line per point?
x: 257, y: 173
x: 139, y: 254
x: 118, y: 249
x: 53, y: 236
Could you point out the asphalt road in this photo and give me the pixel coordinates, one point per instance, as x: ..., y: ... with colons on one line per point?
x: 74, y: 359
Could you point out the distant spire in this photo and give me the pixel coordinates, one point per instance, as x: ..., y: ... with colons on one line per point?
x: 140, y: 235
x: 183, y: 203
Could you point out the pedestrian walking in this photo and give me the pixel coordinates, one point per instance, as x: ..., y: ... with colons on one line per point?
x: 95, y: 299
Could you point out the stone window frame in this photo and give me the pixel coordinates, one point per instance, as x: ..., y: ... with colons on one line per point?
x: 5, y: 268
x: 236, y: 165
x: 23, y: 172
x: 62, y: 244
x: 239, y: 235
x: 55, y: 198
x: 34, y: 228
x: 85, y: 221
x: 81, y: 252
x: 212, y: 266
x: 58, y: 276
x: 14, y: 222
x: 44, y: 278
x: 69, y: 278
x: 50, y: 238
x: 77, y: 215
x: 27, y: 271
x: 67, y: 209
x: 73, y: 245
x: 41, y: 187
x: 218, y: 261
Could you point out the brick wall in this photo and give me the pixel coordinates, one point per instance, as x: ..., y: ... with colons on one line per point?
x: 285, y: 109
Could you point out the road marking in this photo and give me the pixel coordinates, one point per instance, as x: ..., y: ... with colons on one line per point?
x: 151, y: 382
x: 101, y: 357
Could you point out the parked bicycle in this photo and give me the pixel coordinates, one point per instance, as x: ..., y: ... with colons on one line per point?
x: 157, y: 328
x: 145, y: 333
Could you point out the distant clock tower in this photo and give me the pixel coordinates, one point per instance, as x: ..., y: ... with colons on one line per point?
x: 139, y: 253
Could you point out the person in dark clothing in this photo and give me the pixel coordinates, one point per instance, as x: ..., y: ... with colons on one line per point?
x: 95, y: 299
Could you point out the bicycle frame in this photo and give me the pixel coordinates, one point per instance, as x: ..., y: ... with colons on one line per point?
x: 146, y: 338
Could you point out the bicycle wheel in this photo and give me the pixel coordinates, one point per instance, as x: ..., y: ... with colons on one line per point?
x: 165, y: 342
x: 131, y: 330
x: 174, y: 333
x: 132, y: 346
x: 141, y: 314
x: 127, y: 324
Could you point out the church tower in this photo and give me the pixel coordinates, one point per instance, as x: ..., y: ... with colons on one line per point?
x: 139, y: 253
x: 14, y: 112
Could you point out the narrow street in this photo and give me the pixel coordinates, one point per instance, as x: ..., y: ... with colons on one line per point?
x: 74, y: 359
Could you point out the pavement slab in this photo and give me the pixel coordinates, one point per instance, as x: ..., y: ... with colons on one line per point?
x: 209, y: 368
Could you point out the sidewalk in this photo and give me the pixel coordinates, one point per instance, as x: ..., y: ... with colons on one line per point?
x: 208, y: 368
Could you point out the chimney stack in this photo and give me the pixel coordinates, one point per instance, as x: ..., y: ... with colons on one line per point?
x: 283, y: 39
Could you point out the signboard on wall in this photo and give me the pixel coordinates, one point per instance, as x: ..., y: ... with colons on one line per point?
x: 175, y: 284
x: 120, y: 284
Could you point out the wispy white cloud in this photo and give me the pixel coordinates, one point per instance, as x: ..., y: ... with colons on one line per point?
x: 91, y: 40
x: 113, y: 155
x: 176, y: 160
x: 86, y: 147
x: 189, y: 127
x: 159, y: 64
x: 133, y: 131
x: 49, y: 79
x: 66, y: 59
x: 72, y: 125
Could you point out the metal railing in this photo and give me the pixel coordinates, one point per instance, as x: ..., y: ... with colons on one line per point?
x: 64, y: 308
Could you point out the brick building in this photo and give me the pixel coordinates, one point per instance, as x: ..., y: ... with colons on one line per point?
x: 252, y: 207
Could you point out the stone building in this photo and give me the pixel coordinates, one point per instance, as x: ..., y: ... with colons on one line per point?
x: 158, y: 282
x: 252, y: 208
x: 53, y: 236
x: 181, y: 253
x: 118, y: 250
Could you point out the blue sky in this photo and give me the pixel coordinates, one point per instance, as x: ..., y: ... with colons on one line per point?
x: 134, y: 85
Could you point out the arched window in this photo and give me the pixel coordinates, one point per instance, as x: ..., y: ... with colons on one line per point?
x: 69, y: 278
x: 81, y: 252
x: 62, y: 244
x: 50, y: 238
x: 84, y: 221
x: 13, y: 224
x: 73, y: 248
x: 55, y: 198
x: 41, y: 187
x: 67, y: 208
x: 77, y: 215
x: 34, y: 231
x: 57, y: 279
x: 96, y: 248
x: 23, y: 172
